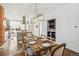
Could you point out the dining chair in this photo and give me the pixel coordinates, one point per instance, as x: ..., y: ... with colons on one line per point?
x: 50, y: 38
x: 44, y: 52
x: 29, y: 35
x: 1, y: 51
x: 58, y: 50
x: 43, y: 36
x: 20, y: 53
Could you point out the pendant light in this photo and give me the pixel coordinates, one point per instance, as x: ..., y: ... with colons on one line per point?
x: 38, y: 16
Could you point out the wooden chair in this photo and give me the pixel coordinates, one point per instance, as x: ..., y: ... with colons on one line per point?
x: 19, y: 53
x: 43, y: 52
x: 58, y: 50
x: 29, y: 35
x: 43, y: 36
x: 50, y: 38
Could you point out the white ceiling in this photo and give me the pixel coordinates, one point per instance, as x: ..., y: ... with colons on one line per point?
x: 28, y: 9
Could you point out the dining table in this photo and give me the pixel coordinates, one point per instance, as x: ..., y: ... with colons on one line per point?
x: 37, y: 43
x: 40, y: 44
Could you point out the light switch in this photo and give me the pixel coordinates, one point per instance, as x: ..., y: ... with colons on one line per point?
x: 76, y: 26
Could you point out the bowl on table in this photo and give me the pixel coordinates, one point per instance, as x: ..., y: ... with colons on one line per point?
x: 46, y: 44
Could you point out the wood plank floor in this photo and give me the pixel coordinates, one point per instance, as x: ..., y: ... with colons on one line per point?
x: 67, y: 52
x: 12, y: 48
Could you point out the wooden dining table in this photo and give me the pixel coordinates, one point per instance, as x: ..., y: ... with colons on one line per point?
x: 38, y: 45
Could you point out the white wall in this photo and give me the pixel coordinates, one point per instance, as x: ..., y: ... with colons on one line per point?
x: 66, y: 18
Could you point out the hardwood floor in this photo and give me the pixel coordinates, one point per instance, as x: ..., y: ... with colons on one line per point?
x: 67, y: 52
x: 12, y: 49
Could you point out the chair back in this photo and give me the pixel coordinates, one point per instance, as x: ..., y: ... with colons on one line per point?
x: 29, y: 35
x: 43, y: 52
x: 59, y: 50
x: 43, y: 36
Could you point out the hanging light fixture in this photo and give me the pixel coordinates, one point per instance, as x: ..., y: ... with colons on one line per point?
x: 38, y: 17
